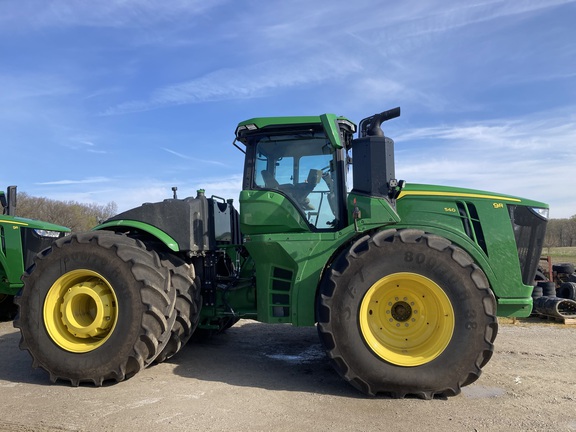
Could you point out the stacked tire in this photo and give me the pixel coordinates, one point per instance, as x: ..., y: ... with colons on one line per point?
x: 567, y: 291
x: 547, y: 288
x: 556, y: 301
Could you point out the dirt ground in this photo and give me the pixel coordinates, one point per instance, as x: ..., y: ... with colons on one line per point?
x: 260, y: 377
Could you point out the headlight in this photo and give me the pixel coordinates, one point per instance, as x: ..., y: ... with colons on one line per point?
x: 249, y: 127
x: 46, y: 233
x: 542, y: 212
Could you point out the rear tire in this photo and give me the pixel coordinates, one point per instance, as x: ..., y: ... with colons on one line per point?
x: 188, y: 305
x: 407, y: 313
x: 96, y: 306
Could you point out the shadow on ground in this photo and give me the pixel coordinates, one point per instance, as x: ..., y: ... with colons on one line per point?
x: 267, y: 356
x: 16, y: 365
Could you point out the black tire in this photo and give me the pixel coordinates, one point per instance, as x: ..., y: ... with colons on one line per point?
x: 537, y: 292
x: 540, y: 276
x: 567, y: 291
x: 572, y: 277
x: 548, y: 288
x: 354, y: 296
x: 8, y: 309
x: 188, y: 305
x: 566, y: 268
x: 122, y: 305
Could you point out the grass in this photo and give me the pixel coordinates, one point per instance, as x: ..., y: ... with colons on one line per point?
x: 561, y: 254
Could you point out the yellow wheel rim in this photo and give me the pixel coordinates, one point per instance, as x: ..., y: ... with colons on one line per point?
x: 80, y: 311
x: 406, y: 319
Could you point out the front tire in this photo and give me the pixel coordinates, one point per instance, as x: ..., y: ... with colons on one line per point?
x: 96, y: 306
x: 407, y: 313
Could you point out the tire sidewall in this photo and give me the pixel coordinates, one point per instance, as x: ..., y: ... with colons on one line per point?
x: 130, y: 308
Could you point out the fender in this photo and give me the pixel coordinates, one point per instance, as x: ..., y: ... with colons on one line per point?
x: 118, y: 225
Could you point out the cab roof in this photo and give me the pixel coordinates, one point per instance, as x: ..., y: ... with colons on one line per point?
x: 329, y: 122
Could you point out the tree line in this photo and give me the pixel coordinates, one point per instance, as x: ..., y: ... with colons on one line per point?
x: 561, y: 232
x: 74, y: 215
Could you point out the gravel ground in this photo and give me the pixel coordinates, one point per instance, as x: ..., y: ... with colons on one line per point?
x: 260, y: 377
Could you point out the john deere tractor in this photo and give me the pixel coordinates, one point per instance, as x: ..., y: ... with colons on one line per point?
x: 404, y: 282
x: 20, y: 240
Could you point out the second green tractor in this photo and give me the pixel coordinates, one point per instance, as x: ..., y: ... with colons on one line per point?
x: 403, y: 281
x: 20, y: 240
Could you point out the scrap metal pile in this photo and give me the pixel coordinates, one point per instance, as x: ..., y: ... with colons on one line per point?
x: 554, y: 294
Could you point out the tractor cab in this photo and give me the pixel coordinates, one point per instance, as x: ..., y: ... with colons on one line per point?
x: 295, y: 174
x: 296, y: 169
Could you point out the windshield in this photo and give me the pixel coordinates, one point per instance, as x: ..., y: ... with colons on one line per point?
x: 302, y: 167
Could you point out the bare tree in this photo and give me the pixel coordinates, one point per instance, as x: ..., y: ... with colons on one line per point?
x: 74, y: 215
x: 561, y: 232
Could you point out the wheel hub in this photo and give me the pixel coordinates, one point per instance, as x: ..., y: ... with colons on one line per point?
x: 80, y: 311
x: 87, y: 308
x: 406, y: 319
x: 401, y: 311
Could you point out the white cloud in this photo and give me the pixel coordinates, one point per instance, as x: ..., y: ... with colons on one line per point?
x: 244, y: 83
x: 75, y: 182
x: 109, y: 13
x: 130, y: 192
x: 531, y: 157
x: 426, y: 19
x: 183, y: 156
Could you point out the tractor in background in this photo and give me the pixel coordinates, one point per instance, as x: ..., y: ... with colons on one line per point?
x: 20, y: 239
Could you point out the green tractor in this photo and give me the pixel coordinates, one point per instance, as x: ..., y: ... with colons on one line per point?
x: 21, y: 239
x: 404, y: 282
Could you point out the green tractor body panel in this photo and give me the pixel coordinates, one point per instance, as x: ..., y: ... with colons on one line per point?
x: 289, y: 266
x: 268, y: 212
x: 373, y: 212
x: 332, y: 130
x: 20, y: 240
x: 288, y: 270
x: 495, y: 229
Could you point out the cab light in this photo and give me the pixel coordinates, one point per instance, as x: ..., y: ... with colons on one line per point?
x: 47, y: 233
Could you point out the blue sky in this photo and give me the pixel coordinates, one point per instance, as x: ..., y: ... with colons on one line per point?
x: 120, y: 100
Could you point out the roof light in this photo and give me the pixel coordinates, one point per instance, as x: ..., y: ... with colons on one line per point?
x: 542, y: 212
x: 348, y: 123
x: 248, y: 127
